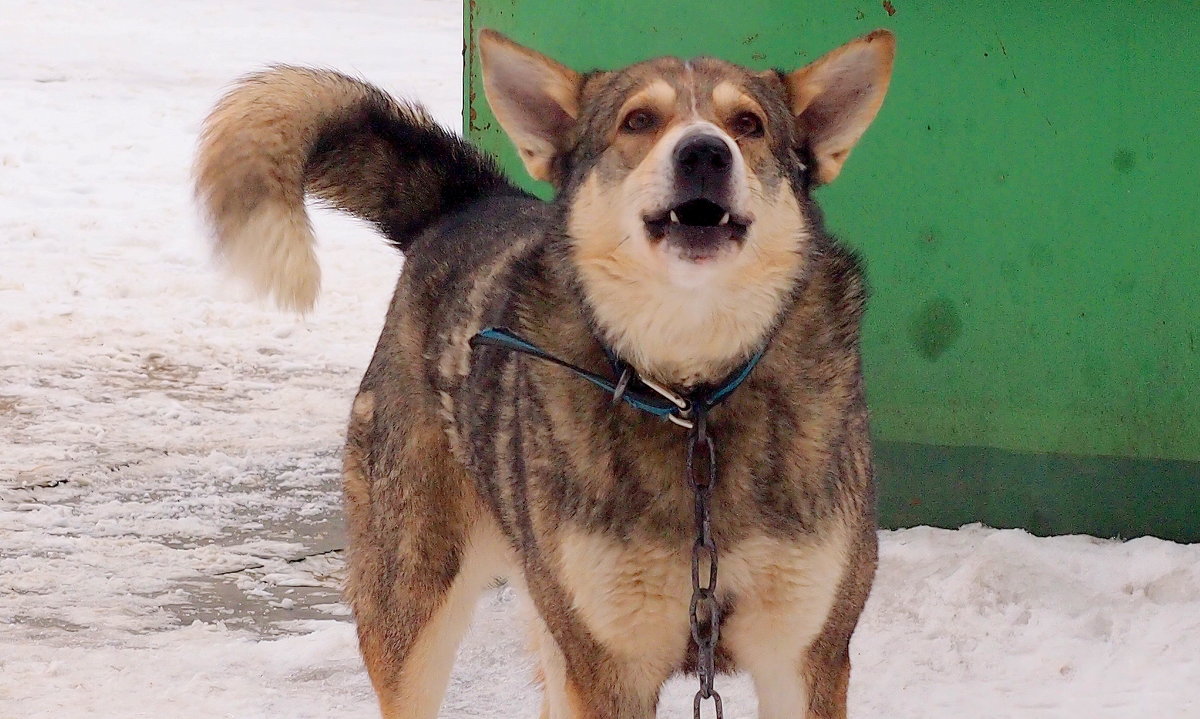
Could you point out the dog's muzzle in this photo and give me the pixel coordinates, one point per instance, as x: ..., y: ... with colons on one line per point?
x: 700, y: 222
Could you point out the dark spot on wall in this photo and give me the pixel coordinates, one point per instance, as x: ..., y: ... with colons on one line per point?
x: 927, y: 240
x: 1124, y: 160
x: 859, y: 14
x: 935, y: 327
x: 891, y: 9
x: 1041, y: 256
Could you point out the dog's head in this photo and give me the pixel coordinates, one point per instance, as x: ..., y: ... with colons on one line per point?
x: 685, y: 183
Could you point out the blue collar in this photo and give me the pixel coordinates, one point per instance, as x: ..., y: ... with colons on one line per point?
x: 634, y: 390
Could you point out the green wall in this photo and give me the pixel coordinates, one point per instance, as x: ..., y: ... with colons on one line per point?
x: 1027, y: 204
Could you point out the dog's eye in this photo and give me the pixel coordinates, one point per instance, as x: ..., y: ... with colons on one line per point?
x: 746, y: 124
x: 639, y: 121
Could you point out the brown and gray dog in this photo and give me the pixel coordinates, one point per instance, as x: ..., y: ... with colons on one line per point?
x: 684, y: 239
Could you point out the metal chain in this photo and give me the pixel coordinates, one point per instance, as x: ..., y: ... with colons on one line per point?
x: 705, y: 612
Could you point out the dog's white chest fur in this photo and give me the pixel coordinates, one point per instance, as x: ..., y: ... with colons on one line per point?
x: 634, y: 598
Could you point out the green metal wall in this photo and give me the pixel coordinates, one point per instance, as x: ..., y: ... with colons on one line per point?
x: 1027, y: 204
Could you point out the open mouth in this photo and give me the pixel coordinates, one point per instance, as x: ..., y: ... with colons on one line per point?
x: 699, y: 229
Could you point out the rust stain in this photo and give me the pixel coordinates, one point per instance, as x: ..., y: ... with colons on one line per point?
x: 891, y: 9
x: 469, y: 65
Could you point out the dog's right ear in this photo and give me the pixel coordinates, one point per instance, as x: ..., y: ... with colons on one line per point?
x: 535, y: 99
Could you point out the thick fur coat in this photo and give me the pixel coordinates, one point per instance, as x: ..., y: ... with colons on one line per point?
x: 462, y: 465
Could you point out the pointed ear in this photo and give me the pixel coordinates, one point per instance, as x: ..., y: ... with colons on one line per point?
x: 535, y: 99
x: 836, y: 97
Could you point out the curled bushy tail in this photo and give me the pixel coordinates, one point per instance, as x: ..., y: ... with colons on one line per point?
x: 289, y: 131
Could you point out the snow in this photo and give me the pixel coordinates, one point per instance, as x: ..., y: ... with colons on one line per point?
x: 169, y: 524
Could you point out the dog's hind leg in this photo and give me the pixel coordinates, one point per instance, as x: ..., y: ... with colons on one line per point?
x: 421, y: 552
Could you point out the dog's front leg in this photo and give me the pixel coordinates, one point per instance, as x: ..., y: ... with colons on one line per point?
x: 794, y: 618
x: 611, y: 625
x: 593, y: 684
x: 421, y: 552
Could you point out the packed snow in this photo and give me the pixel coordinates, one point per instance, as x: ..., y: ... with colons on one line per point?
x: 170, y: 531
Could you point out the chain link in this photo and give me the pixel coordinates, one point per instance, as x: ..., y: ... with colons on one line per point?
x: 705, y: 611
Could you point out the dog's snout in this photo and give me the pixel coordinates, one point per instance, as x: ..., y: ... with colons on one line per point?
x: 703, y: 162
x: 703, y: 153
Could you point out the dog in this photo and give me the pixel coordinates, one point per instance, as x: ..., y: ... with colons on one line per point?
x: 683, y: 241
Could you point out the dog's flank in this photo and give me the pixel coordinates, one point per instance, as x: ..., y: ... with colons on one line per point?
x: 289, y: 131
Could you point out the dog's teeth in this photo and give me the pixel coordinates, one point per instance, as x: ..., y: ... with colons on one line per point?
x: 674, y: 217
x: 724, y: 220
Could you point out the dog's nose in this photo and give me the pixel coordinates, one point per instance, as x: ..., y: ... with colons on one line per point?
x: 702, y: 163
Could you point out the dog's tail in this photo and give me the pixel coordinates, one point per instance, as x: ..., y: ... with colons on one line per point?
x: 289, y: 131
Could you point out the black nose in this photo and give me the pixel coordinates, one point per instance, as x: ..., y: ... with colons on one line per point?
x: 702, y: 164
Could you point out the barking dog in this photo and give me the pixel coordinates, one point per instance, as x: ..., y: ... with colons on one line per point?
x: 684, y: 240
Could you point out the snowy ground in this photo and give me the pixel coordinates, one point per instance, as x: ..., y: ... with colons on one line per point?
x: 169, y: 523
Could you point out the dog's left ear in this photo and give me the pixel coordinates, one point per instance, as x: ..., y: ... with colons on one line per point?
x: 836, y: 97
x: 535, y: 99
